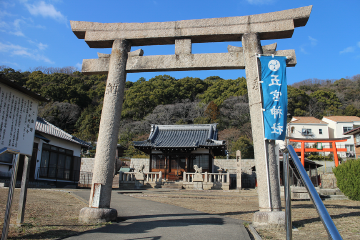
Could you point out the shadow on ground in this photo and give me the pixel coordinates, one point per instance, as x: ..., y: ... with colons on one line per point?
x: 58, y: 234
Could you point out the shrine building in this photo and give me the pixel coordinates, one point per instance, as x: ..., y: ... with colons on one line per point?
x: 175, y: 149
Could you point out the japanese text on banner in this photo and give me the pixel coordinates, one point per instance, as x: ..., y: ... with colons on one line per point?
x: 274, y: 91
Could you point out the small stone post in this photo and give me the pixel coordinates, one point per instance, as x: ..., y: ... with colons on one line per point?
x: 23, y: 191
x: 108, y: 136
x: 270, y: 214
x: 238, y: 170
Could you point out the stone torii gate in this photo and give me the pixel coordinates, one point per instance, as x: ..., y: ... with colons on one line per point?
x: 121, y: 36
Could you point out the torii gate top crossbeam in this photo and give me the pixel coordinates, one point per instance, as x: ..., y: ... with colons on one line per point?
x: 275, y: 25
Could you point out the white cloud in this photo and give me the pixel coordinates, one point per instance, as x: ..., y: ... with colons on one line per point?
x: 302, y: 49
x: 78, y: 66
x: 9, y: 47
x: 17, y: 23
x: 313, y: 41
x: 18, y: 33
x: 42, y: 46
x: 347, y: 50
x: 3, y: 24
x: 45, y: 10
x: 7, y: 4
x: 358, y: 44
x: 17, y: 50
x: 5, y: 13
x: 9, y: 63
x: 260, y: 2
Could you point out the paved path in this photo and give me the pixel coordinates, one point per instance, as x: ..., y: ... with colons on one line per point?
x: 144, y: 219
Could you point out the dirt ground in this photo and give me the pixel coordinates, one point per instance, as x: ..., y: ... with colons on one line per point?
x: 53, y: 214
x: 242, y: 205
x: 49, y: 214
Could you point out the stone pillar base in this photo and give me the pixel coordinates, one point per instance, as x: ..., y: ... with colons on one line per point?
x: 274, y: 219
x: 97, y: 215
x: 198, y: 186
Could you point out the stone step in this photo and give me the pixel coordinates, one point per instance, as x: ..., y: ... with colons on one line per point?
x: 334, y: 197
x: 172, y: 185
x: 334, y: 191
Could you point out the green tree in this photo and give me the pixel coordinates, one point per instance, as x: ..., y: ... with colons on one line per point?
x: 88, y: 123
x: 12, y: 75
x: 348, y: 178
x: 223, y: 89
x: 327, y: 97
x: 245, y: 146
x: 324, y: 102
x: 350, y: 110
x: 298, y: 101
x: 142, y: 98
x: 202, y: 120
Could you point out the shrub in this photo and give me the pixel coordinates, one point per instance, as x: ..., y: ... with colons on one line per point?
x: 348, y: 178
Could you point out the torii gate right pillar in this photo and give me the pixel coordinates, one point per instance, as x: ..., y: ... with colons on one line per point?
x: 269, y: 213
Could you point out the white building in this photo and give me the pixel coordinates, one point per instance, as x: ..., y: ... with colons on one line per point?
x: 338, y: 125
x: 55, y: 156
x: 57, y: 153
x: 307, y: 128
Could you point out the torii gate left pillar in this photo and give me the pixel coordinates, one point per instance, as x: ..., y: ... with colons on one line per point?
x: 99, y: 204
x: 248, y: 29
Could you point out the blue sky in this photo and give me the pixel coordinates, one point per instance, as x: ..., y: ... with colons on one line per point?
x: 37, y: 33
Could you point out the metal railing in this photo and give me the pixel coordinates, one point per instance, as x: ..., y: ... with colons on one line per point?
x: 328, y: 223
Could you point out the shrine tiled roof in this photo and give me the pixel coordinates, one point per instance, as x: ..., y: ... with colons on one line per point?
x: 44, y: 126
x: 181, y: 136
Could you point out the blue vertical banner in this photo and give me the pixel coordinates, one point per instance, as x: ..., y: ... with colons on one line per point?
x: 274, y: 91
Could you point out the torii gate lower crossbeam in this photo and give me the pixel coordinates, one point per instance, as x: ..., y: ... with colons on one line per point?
x: 332, y: 149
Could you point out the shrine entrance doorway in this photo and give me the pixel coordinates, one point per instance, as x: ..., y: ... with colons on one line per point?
x: 177, y: 167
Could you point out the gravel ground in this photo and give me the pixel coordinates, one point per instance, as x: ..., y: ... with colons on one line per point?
x: 51, y: 214
x: 243, y: 204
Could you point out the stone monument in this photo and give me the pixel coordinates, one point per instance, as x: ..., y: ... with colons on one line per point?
x: 198, y: 178
x: 238, y: 170
x: 247, y: 29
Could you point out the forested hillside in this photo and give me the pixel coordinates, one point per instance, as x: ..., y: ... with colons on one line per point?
x: 76, y: 102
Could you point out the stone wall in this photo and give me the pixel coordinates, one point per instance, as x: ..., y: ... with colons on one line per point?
x: 248, y: 176
x: 328, y: 180
x: 136, y: 163
x: 87, y: 164
x: 226, y: 164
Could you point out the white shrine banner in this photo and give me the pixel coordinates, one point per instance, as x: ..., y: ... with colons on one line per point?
x: 18, y: 113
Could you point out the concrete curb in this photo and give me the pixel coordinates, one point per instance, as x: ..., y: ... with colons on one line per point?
x: 80, y: 198
x: 254, y: 232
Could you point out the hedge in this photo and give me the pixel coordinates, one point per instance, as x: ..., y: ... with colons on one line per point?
x: 348, y: 178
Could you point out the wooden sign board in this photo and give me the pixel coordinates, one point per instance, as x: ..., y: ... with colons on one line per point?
x: 18, y: 113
